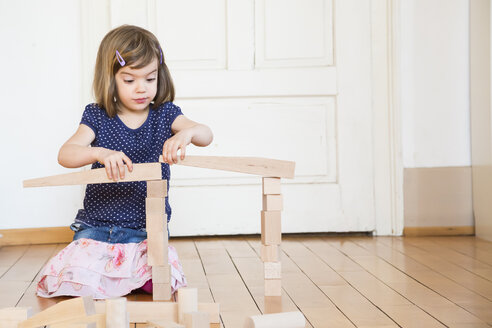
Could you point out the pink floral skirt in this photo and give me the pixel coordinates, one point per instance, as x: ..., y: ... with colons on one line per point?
x: 88, y: 267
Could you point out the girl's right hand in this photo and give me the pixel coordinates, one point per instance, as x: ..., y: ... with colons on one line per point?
x: 114, y: 162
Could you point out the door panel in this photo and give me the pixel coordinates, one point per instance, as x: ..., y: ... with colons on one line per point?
x: 280, y: 79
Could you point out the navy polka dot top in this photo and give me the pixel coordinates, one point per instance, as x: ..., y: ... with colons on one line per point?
x: 122, y: 204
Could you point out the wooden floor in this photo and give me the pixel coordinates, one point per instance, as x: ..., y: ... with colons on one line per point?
x: 334, y: 281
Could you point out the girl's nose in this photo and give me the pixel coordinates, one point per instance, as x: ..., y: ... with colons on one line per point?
x: 140, y: 86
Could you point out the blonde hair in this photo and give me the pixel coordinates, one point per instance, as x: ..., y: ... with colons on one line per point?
x: 137, y: 46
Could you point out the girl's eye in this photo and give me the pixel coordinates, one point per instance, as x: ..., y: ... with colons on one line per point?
x: 128, y: 81
x: 150, y: 80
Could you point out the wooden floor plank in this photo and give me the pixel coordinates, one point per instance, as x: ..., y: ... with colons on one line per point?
x: 353, y: 304
x: 400, y: 309
x: 226, y: 284
x: 441, y: 289
x: 193, y: 268
x: 463, y: 261
x: 28, y: 266
x: 334, y: 281
x: 417, y: 293
x: 9, y: 255
x: 456, y: 245
x: 316, y: 306
x: 447, y: 269
x: 29, y: 297
x: 250, y: 267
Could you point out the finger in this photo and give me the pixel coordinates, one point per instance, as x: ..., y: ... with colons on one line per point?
x: 170, y: 157
x: 128, y: 162
x: 174, y: 154
x: 164, y: 153
x: 121, y: 168
x: 107, y: 166
x: 183, y: 152
x: 114, y: 169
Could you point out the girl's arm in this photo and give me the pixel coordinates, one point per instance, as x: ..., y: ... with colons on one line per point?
x: 185, y: 132
x: 76, y: 152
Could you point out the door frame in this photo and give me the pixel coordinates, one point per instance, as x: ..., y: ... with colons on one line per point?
x: 388, y: 160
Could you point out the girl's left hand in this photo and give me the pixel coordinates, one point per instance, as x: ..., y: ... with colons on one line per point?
x: 179, y: 141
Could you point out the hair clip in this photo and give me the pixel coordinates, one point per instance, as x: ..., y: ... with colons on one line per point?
x: 161, y: 54
x: 120, y: 59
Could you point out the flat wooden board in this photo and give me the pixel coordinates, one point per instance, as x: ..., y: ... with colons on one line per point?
x: 252, y: 165
x: 140, y: 172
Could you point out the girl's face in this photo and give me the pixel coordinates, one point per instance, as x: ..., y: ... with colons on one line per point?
x: 136, y: 88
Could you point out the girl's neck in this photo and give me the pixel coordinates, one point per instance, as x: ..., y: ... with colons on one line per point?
x: 132, y: 118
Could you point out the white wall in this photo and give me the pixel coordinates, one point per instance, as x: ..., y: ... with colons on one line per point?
x: 435, y: 83
x: 40, y: 84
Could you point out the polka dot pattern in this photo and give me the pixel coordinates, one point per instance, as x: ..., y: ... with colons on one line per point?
x: 123, y: 204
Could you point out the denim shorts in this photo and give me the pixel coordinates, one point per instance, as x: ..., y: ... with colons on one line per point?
x: 112, y: 235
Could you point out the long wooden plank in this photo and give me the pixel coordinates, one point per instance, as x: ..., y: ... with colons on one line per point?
x: 316, y: 306
x: 28, y: 266
x: 461, y: 276
x: 389, y: 301
x: 141, y: 172
x: 30, y: 236
x: 467, y: 299
x: 10, y: 255
x: 250, y: 268
x: 266, y: 167
x: 225, y: 283
x: 466, y: 262
x: 462, y: 246
x: 425, y: 298
x: 352, y: 303
x: 30, y: 298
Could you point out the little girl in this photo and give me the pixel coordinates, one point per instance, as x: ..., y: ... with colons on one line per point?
x: 133, y: 120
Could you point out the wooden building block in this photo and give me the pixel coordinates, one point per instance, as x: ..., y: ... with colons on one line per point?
x: 163, y: 324
x: 273, y: 287
x: 116, y: 313
x: 155, y: 212
x: 274, y: 304
x: 273, y: 270
x: 74, y: 308
x: 271, y: 230
x: 187, y: 302
x: 140, y: 312
x: 272, y: 202
x: 15, y: 313
x: 92, y: 321
x: 156, y: 226
x: 269, y: 253
x: 157, y: 189
x: 11, y: 317
x: 73, y: 325
x: 212, y: 309
x: 271, y: 186
x: 161, y: 274
x: 161, y: 291
x: 157, y: 248
x: 276, y: 320
x: 196, y: 320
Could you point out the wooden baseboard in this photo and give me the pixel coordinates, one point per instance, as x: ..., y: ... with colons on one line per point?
x: 56, y: 235
x: 438, y: 231
x: 51, y: 235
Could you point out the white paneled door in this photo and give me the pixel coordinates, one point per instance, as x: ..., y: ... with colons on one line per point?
x: 284, y: 79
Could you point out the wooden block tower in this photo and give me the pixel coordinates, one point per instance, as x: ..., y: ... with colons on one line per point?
x: 157, y: 241
x: 271, y: 235
x: 271, y: 171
